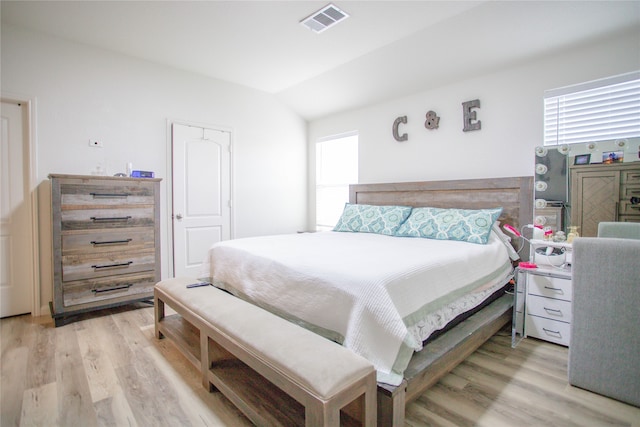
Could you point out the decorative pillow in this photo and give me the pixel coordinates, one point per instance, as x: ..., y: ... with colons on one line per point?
x: 372, y: 219
x: 466, y: 225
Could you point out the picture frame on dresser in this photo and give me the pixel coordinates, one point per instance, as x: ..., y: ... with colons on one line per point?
x: 106, y: 242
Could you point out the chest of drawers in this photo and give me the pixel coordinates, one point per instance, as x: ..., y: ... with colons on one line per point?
x: 106, y: 242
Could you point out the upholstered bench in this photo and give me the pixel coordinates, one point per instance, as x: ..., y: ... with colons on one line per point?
x: 275, y: 372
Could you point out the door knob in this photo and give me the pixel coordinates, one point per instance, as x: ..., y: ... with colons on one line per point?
x: 179, y: 217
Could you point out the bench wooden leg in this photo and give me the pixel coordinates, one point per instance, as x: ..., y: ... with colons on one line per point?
x: 159, y: 309
x: 317, y: 414
x: 371, y: 403
x: 205, y: 360
x: 364, y: 395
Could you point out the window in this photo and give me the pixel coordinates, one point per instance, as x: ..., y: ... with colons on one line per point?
x: 605, y: 109
x: 336, y: 168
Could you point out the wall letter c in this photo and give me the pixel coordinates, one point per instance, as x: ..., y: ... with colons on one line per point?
x: 396, y: 123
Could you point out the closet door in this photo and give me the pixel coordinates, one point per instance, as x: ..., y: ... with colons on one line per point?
x: 201, y: 172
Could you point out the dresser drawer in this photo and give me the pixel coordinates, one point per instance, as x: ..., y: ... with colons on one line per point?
x: 107, y: 240
x: 628, y: 191
x: 78, y: 267
x: 554, y: 309
x: 631, y: 176
x: 79, y: 194
x: 626, y: 208
x: 551, y: 287
x: 86, y: 219
x: 125, y: 287
x: 548, y: 330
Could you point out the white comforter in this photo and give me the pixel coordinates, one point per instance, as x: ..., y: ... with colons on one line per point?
x: 380, y: 296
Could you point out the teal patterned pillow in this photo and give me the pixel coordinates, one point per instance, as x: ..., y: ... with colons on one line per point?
x: 465, y: 225
x: 372, y: 219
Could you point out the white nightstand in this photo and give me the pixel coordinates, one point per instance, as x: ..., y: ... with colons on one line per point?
x: 542, y: 301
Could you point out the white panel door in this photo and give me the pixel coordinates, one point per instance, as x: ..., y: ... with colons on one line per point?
x: 201, y: 195
x: 16, y: 272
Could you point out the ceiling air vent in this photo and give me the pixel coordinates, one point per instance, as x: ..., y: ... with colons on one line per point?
x: 324, y: 18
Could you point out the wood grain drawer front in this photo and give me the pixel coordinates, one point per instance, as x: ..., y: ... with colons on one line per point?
x: 626, y: 208
x: 80, y: 195
x: 630, y: 190
x: 631, y: 176
x: 548, y: 330
x: 553, y: 309
x: 107, y: 240
x: 85, y: 219
x: 78, y: 267
x: 626, y: 193
x: 551, y: 287
x: 127, y: 286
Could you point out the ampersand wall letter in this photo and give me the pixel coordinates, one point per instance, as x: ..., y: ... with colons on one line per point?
x: 432, y: 121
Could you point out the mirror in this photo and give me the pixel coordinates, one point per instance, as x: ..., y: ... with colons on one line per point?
x: 554, y: 167
x: 551, y: 188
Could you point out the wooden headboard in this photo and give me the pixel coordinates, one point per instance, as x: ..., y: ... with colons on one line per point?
x: 514, y: 195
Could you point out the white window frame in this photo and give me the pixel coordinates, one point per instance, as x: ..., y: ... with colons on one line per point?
x: 321, y: 184
x: 600, y: 110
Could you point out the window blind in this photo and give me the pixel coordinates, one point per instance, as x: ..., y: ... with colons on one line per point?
x: 601, y: 110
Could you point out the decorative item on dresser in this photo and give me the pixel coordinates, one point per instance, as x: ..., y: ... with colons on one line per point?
x: 106, y: 242
x: 604, y: 192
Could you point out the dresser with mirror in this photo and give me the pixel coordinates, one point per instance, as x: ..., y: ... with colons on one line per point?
x: 577, y: 187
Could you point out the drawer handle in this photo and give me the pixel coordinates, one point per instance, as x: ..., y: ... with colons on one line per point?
x: 549, y: 331
x: 552, y: 310
x: 118, y: 265
x: 115, y: 218
x: 116, y: 288
x: 111, y: 242
x: 109, y: 195
x: 553, y: 289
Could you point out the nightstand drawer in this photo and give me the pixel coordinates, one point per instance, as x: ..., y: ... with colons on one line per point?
x: 548, y: 330
x: 551, y: 287
x: 553, y: 309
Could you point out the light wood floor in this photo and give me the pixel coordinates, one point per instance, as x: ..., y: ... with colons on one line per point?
x: 109, y: 370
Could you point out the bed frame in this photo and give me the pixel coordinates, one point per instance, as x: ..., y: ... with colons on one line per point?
x: 441, y: 355
x: 515, y: 196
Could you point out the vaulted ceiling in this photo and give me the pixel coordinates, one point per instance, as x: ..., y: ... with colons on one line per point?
x: 383, y: 50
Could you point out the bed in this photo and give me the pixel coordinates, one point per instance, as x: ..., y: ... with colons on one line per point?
x: 366, y: 290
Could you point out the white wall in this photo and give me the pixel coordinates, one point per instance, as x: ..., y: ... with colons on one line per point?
x: 511, y: 115
x: 82, y: 93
